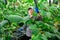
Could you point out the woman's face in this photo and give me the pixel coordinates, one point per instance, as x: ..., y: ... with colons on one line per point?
x: 31, y: 11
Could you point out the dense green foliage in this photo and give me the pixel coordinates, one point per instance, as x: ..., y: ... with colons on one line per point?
x: 16, y: 11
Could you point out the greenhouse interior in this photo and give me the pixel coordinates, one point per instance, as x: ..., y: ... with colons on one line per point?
x: 29, y: 19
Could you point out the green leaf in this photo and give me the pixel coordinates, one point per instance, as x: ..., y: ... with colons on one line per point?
x: 14, y: 18
x: 3, y: 23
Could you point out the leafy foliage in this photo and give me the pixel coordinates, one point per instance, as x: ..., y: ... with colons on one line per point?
x: 15, y: 11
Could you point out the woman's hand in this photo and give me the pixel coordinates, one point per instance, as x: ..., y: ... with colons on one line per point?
x: 31, y: 16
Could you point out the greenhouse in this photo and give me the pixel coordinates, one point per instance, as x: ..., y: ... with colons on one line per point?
x: 29, y: 19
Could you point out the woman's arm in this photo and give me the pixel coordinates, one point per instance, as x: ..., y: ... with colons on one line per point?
x: 39, y: 17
